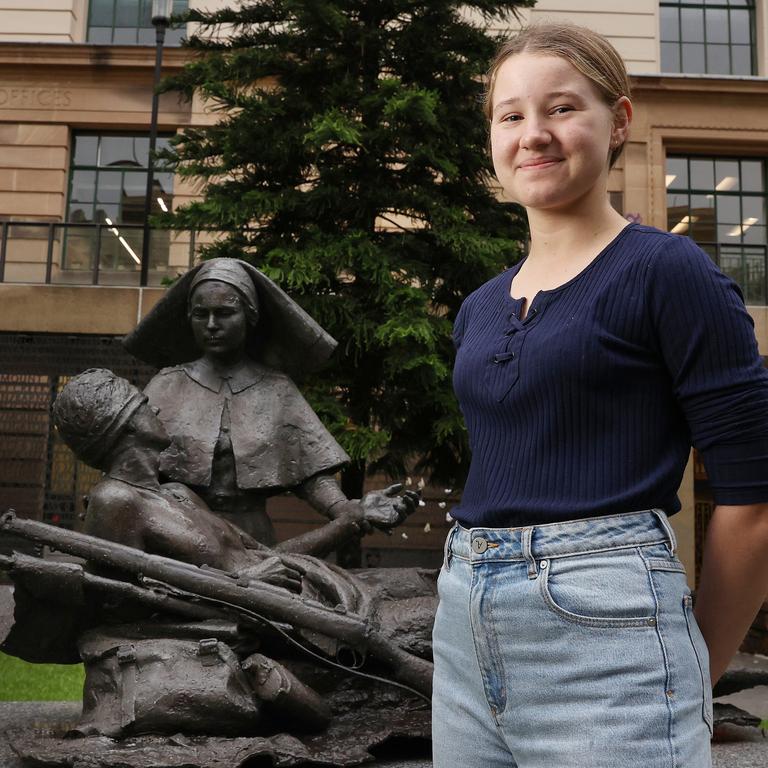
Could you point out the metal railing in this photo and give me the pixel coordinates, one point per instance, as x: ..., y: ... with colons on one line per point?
x: 77, y: 253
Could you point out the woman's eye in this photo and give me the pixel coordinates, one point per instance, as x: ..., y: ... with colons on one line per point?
x: 511, y: 118
x: 562, y: 110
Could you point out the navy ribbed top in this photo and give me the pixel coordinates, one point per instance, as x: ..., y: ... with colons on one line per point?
x: 590, y: 404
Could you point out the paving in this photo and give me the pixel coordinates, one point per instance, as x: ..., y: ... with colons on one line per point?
x: 735, y: 747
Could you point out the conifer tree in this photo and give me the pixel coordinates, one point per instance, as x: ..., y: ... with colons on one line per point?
x: 350, y: 165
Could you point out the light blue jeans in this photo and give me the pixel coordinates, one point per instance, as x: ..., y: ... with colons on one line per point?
x: 569, y: 645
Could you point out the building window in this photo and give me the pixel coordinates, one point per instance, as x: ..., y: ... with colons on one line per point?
x: 708, y: 37
x: 721, y: 202
x: 107, y: 185
x: 129, y: 22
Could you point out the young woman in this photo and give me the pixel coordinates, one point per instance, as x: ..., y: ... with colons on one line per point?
x: 565, y: 636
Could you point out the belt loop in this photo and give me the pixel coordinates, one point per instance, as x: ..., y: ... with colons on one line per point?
x: 526, y: 537
x: 447, y: 553
x: 665, y: 524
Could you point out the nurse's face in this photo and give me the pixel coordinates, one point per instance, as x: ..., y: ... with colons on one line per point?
x: 218, y: 320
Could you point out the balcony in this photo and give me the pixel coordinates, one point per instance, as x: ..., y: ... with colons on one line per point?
x: 54, y: 253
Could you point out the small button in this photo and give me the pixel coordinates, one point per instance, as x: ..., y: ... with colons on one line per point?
x: 543, y: 564
x: 479, y: 545
x: 495, y: 358
x: 651, y: 622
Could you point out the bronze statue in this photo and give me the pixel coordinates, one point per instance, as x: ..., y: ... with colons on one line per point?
x: 387, y: 614
x: 240, y: 429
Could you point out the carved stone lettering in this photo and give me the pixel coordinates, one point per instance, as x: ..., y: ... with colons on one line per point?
x: 14, y: 98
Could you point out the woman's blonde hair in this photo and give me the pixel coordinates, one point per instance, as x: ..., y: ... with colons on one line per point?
x: 589, y: 52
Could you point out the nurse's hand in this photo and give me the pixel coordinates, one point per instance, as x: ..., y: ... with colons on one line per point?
x: 388, y: 508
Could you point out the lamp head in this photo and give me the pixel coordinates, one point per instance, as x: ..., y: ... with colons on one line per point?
x: 161, y: 12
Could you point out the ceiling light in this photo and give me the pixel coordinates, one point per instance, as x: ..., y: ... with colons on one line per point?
x: 682, y: 225
x: 162, y: 204
x: 726, y: 183
x: 740, y: 229
x: 670, y: 177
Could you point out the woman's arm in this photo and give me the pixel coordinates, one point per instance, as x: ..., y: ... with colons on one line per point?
x: 734, y: 579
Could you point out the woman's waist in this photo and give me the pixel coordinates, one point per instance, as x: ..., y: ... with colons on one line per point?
x: 558, y: 539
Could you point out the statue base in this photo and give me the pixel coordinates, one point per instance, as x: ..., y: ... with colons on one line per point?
x: 368, y: 736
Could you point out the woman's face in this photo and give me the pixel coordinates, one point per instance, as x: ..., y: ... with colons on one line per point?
x: 218, y: 320
x: 552, y: 132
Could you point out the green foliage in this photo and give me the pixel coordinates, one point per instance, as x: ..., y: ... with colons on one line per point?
x: 21, y: 681
x: 350, y: 166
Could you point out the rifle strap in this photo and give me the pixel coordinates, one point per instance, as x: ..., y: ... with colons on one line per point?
x: 126, y: 659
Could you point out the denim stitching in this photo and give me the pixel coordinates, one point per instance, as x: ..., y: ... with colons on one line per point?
x: 596, y: 622
x: 667, y: 678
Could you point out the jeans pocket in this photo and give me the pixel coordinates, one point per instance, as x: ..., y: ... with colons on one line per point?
x: 603, y: 590
x: 702, y: 659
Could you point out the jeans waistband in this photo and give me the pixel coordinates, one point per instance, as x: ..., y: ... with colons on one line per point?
x: 594, y: 534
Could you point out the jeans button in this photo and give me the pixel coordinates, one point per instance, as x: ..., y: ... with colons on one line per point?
x: 479, y: 545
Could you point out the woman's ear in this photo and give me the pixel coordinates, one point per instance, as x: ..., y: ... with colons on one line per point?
x: 622, y: 119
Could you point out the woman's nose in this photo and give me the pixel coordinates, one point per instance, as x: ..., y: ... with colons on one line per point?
x: 535, y: 134
x: 211, y: 323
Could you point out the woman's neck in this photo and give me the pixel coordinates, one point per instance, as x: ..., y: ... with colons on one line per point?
x: 558, y: 236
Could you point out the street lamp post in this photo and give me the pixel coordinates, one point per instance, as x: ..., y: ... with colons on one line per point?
x: 161, y: 16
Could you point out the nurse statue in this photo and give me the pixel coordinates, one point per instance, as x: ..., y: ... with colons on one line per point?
x: 228, y: 341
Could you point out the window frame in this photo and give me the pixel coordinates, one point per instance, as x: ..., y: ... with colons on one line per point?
x: 143, y: 9
x: 718, y: 248
x: 723, y: 5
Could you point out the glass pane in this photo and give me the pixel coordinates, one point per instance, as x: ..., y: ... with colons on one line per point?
x: 729, y: 233
x: 83, y: 186
x: 125, y: 36
x: 85, y: 150
x: 718, y: 60
x: 116, y: 150
x: 741, y: 60
x: 145, y: 14
x: 740, y: 27
x: 135, y: 190
x: 753, y: 207
x: 752, y: 175
x: 677, y: 213
x: 100, y: 35
x: 693, y: 58
x: 80, y: 213
x: 726, y: 175
x: 79, y: 248
x: 106, y: 211
x: 728, y: 209
x: 127, y: 13
x: 109, y: 188
x: 140, y: 151
x: 702, y: 173
x: 670, y: 57
x: 159, y: 246
x: 692, y: 25
x: 670, y: 23
x: 101, y: 13
x: 135, y: 185
x: 677, y: 173
x: 717, y: 25
x: 754, y: 277
x: 754, y: 234
x: 129, y: 250
x: 703, y: 217
x: 164, y: 182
